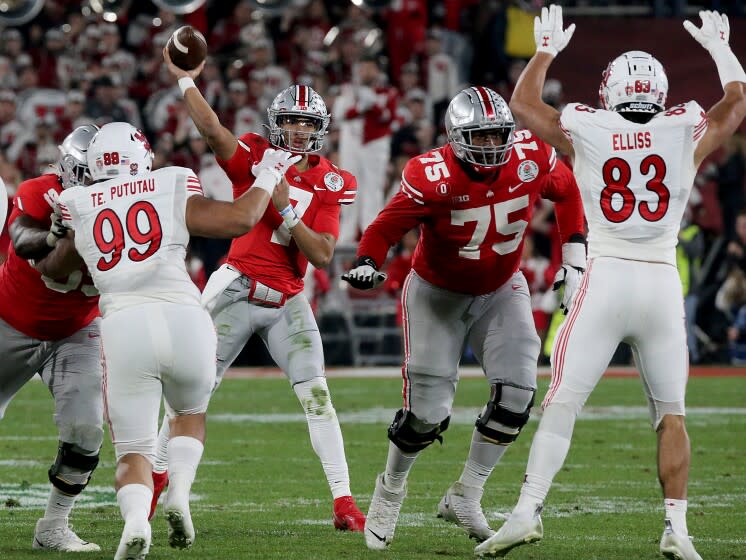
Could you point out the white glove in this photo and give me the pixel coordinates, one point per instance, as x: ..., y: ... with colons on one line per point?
x: 714, y: 35
x: 715, y: 30
x: 276, y: 162
x: 571, y: 273
x: 548, y: 33
x: 56, y: 231
x: 365, y: 274
x: 365, y: 98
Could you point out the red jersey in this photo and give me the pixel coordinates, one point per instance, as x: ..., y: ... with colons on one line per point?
x: 41, y: 307
x: 378, y: 119
x: 472, y: 225
x: 268, y: 253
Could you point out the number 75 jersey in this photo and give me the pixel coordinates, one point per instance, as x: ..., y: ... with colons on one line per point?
x: 472, y: 225
x: 635, y: 179
x: 132, y: 234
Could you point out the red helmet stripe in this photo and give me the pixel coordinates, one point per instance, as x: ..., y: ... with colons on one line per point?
x: 487, y: 104
x: 302, y: 96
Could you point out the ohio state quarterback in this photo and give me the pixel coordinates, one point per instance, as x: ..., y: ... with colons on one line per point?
x: 50, y: 325
x: 472, y: 199
x: 635, y: 163
x: 260, y: 289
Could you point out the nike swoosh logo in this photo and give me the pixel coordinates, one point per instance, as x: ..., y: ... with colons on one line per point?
x: 318, y: 188
x: 376, y: 535
x: 514, y: 187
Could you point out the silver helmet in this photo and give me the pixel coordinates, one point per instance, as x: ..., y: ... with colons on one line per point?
x: 298, y: 101
x: 73, y: 161
x: 480, y: 110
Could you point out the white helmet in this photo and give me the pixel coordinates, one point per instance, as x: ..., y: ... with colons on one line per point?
x: 479, y: 109
x: 119, y: 149
x: 73, y: 161
x: 298, y: 101
x: 634, y: 82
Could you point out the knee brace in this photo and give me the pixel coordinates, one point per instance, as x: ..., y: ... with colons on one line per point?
x: 498, y: 424
x: 71, y: 471
x: 411, y: 435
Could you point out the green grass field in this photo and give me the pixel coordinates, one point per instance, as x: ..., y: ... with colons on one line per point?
x: 261, y: 493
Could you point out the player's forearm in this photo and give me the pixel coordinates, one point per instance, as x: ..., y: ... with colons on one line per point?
x: 213, y: 218
x: 29, y: 242
x: 318, y: 248
x: 61, y: 261
x: 219, y: 138
x: 526, y: 96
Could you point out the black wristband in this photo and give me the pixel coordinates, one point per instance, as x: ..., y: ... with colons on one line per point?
x: 363, y: 260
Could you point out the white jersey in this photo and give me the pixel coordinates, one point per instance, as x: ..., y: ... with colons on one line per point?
x: 634, y: 179
x: 132, y: 234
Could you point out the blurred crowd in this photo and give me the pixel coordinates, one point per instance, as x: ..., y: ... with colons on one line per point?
x: 386, y: 76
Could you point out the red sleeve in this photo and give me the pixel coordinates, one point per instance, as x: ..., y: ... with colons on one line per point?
x: 349, y: 192
x: 33, y: 201
x: 561, y: 188
x: 238, y: 167
x: 401, y: 214
x: 327, y: 220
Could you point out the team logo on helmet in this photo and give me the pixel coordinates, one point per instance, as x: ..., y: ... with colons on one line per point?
x: 528, y: 171
x: 334, y: 181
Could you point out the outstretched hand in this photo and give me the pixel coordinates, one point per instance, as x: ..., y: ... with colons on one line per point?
x: 715, y: 30
x: 548, y: 31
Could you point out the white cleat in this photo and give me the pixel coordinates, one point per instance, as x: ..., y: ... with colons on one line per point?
x: 516, y: 531
x: 462, y: 505
x: 135, y: 541
x: 678, y: 547
x: 56, y: 534
x: 383, y: 514
x: 180, y: 528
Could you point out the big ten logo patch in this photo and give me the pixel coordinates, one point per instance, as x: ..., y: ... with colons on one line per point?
x: 528, y: 170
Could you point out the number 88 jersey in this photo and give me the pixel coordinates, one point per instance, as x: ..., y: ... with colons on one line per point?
x: 132, y: 234
x: 635, y: 179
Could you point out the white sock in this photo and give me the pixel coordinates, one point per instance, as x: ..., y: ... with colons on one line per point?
x: 161, y: 447
x: 548, y: 453
x: 59, y: 504
x: 398, y: 465
x: 325, y: 433
x: 483, y: 456
x: 134, y: 502
x: 676, y: 514
x: 184, y: 455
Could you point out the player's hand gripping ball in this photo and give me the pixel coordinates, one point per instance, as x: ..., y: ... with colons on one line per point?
x: 187, y: 47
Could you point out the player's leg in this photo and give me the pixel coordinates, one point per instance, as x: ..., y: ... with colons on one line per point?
x: 435, y: 323
x: 292, y: 337
x: 132, y: 395
x: 660, y: 351
x: 73, y: 374
x: 232, y: 317
x: 505, y: 342
x: 583, y: 348
x: 187, y: 385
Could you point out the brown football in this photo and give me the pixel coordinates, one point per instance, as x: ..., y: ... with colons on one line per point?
x: 187, y: 47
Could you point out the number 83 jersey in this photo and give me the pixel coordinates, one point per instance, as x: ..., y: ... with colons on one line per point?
x: 132, y: 234
x: 635, y: 179
x: 472, y: 224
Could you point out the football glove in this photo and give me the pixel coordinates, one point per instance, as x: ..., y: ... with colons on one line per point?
x: 276, y: 162
x: 571, y: 272
x: 364, y: 274
x: 715, y: 30
x: 549, y: 35
x: 56, y: 231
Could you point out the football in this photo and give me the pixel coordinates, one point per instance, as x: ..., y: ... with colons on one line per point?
x: 187, y: 47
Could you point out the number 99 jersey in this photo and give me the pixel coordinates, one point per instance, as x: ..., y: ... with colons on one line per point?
x: 635, y: 179
x: 472, y: 225
x: 132, y: 234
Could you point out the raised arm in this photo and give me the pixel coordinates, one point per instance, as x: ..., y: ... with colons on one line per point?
x: 214, y: 218
x: 724, y: 118
x: 526, y: 102
x: 220, y: 139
